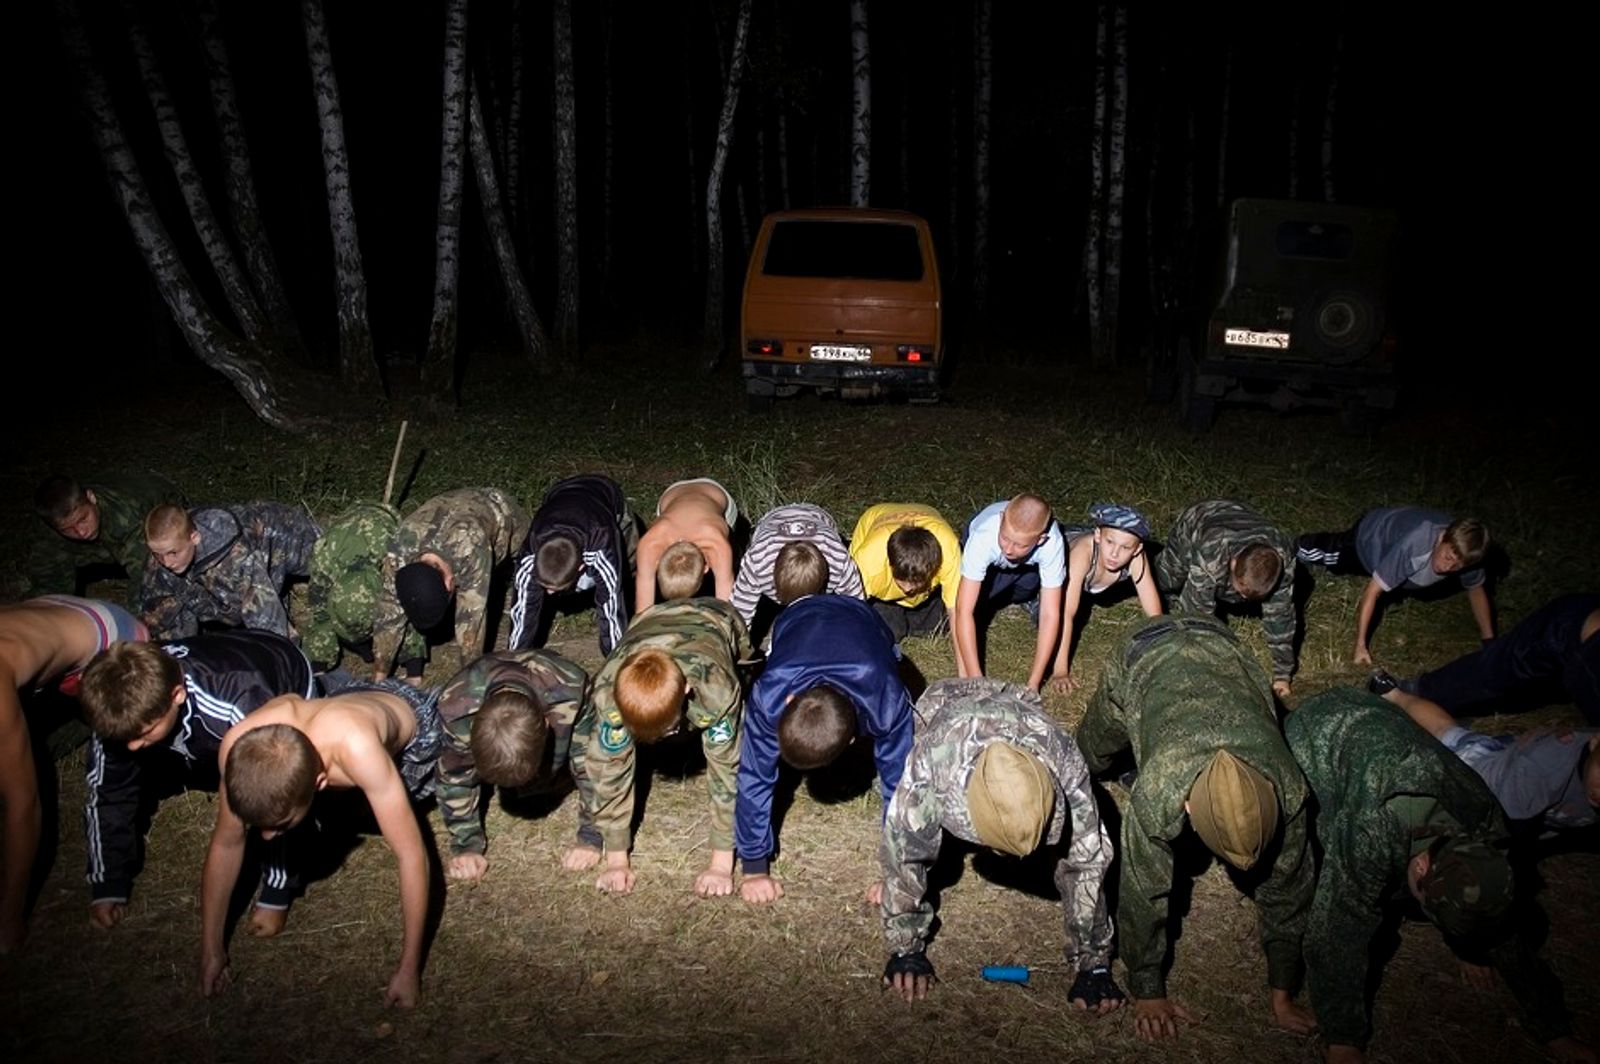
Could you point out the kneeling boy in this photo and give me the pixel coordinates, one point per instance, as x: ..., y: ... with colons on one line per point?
x: 382, y: 738
x: 678, y: 665
x: 833, y: 674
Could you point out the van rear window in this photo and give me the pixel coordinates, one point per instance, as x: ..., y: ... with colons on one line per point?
x: 1315, y: 240
x: 869, y: 251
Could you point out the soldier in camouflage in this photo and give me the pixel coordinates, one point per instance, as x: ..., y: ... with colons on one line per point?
x: 1398, y: 812
x: 101, y: 523
x: 554, y: 682
x: 227, y: 565
x: 1202, y: 567
x: 707, y: 640
x: 1177, y: 692
x: 346, y: 582
x: 960, y: 724
x: 464, y: 535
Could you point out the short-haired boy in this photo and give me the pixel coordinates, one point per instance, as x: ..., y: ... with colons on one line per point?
x: 990, y: 767
x: 382, y: 739
x: 100, y: 523
x: 677, y: 667
x: 227, y: 565
x: 443, y: 560
x: 1014, y: 554
x: 1221, y: 554
x: 41, y: 641
x: 159, y: 714
x: 777, y: 566
x: 832, y: 674
x: 910, y: 562
x: 1101, y: 559
x: 1405, y: 547
x: 346, y: 584
x: 691, y: 536
x: 583, y: 538
x: 508, y: 720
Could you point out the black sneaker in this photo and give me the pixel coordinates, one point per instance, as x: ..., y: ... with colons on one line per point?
x: 1382, y: 682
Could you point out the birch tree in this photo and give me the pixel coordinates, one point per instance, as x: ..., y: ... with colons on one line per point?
x: 534, y: 342
x: 267, y: 387
x: 1094, y: 231
x: 1329, y: 109
x: 566, y: 132
x: 356, y: 362
x: 860, y: 107
x: 439, y: 364
x: 239, y: 181
x: 1105, y: 349
x: 712, y: 341
x: 983, y: 83
x: 512, y: 133
x: 235, y: 288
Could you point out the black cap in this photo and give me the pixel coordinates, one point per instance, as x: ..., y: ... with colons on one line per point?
x: 422, y: 594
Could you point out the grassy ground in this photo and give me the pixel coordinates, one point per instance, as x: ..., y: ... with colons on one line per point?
x: 533, y: 964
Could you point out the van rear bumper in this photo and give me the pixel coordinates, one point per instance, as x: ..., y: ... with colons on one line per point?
x: 917, y: 381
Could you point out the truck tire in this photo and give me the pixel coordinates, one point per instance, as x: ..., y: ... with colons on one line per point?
x: 1341, y: 324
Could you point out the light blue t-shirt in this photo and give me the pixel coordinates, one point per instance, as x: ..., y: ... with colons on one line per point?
x: 1533, y: 775
x: 982, y: 551
x: 1396, y: 544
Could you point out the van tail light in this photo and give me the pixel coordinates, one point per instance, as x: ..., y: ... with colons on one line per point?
x: 765, y: 347
x: 914, y: 353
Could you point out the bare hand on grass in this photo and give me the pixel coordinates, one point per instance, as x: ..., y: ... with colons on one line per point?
x: 107, y: 914
x: 403, y: 990
x: 1362, y: 656
x: 580, y: 858
x: 1280, y: 688
x: 760, y: 889
x: 874, y: 892
x: 1063, y: 683
x: 717, y: 880
x: 1477, y: 976
x: 267, y: 923
x: 469, y: 867
x: 214, y: 974
x: 1156, y: 1018
x: 911, y: 987
x: 1296, y: 1019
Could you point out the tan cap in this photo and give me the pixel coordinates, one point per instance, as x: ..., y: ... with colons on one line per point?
x: 1234, y: 810
x: 1011, y: 799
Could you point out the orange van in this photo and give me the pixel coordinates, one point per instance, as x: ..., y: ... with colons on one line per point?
x: 842, y: 300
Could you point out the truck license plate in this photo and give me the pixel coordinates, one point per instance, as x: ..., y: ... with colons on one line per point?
x: 1251, y: 338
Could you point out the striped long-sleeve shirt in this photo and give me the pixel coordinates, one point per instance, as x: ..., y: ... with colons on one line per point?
x: 799, y: 522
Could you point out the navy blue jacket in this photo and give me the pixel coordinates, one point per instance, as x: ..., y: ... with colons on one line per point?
x: 819, y: 639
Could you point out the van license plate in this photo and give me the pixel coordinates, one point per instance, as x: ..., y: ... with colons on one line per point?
x: 1251, y: 338
x: 841, y: 353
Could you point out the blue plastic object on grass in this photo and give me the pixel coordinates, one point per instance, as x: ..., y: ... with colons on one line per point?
x: 1005, y: 973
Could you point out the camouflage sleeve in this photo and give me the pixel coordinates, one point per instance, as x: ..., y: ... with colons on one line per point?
x: 1080, y: 877
x: 912, y: 832
x: 582, y: 731
x: 472, y: 602
x: 608, y: 765
x: 1345, y: 915
x: 1142, y: 906
x: 260, y: 606
x: 1278, y: 625
x: 319, y: 639
x: 459, y: 796
x: 161, y: 607
x: 721, y: 745
x: 1199, y: 594
x: 1101, y: 733
x: 389, y: 625
x: 1283, y: 901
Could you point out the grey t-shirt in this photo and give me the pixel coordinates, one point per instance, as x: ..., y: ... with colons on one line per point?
x: 1395, y: 545
x: 1533, y: 775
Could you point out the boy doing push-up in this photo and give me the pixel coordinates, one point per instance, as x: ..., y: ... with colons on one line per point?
x: 382, y: 738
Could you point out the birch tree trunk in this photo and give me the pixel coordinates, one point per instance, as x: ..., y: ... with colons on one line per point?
x: 534, y: 343
x: 983, y: 83
x: 512, y: 133
x: 761, y: 169
x: 439, y: 365
x: 1094, y: 230
x: 269, y: 392
x: 1330, y: 107
x: 1106, y: 349
x: 235, y: 289
x: 1222, y: 130
x: 356, y: 362
x: 712, y: 336
x: 239, y: 182
x: 860, y: 107
x: 782, y: 125
x: 566, y: 130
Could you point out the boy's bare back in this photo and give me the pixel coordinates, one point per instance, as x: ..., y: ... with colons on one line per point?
x: 344, y: 727
x: 40, y: 640
x: 693, y: 512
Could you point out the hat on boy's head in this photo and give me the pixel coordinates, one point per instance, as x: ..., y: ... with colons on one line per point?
x: 1234, y: 810
x: 1011, y: 799
x: 1123, y: 518
x: 1468, y: 887
x: 422, y: 594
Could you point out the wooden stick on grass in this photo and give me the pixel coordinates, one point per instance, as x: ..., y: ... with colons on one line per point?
x: 388, y: 489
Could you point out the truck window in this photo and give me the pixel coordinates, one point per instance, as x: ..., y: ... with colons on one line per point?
x: 868, y: 251
x: 1315, y: 240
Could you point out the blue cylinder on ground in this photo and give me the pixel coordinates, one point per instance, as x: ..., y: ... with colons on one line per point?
x: 1005, y: 973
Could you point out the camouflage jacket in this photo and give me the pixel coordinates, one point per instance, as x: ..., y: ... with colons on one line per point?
x: 956, y: 720
x: 123, y: 501
x: 559, y: 683
x: 1360, y: 755
x: 708, y: 640
x: 346, y: 581
x: 473, y: 530
x: 1193, y: 570
x: 246, y: 555
x: 1178, y: 690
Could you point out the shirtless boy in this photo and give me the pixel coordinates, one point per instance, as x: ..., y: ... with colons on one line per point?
x: 690, y: 537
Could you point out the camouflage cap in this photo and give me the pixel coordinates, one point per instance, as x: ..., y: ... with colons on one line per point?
x: 1123, y: 518
x: 422, y: 594
x: 1468, y: 887
x: 1011, y: 799
x: 1234, y: 810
